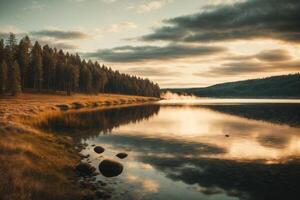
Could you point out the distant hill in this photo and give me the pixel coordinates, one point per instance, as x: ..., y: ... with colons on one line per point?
x: 271, y: 87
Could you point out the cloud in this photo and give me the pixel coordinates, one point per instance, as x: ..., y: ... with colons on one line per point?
x: 35, y: 6
x: 274, y: 55
x: 77, y: 1
x: 55, y: 44
x: 52, y: 40
x: 126, y: 25
x: 234, y: 68
x: 214, y: 3
x: 152, y: 53
x: 150, y: 71
x: 109, y: 1
x: 269, y: 55
x: 60, y: 34
x: 248, y: 67
x: 150, y: 6
x: 6, y: 30
x: 12, y: 29
x: 265, y: 61
x: 63, y: 45
x: 105, y: 1
x: 250, y: 19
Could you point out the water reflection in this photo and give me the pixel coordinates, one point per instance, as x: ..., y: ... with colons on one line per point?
x: 92, y: 122
x: 288, y: 114
x: 181, y: 152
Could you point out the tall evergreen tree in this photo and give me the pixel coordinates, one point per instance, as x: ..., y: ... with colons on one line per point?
x: 12, y: 41
x: 37, y: 66
x: 3, y: 76
x: 48, y: 67
x: 2, y: 50
x: 104, y: 80
x: 59, y: 73
x: 23, y: 56
x: 52, y: 69
x: 15, y: 79
x: 11, y: 48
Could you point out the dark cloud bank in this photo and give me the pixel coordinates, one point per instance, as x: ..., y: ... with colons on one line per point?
x: 251, y: 19
x: 60, y: 34
x: 150, y: 71
x: 264, y: 61
x: 246, y: 20
x: 152, y: 53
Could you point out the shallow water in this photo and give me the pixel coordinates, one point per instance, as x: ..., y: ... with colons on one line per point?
x: 197, y: 150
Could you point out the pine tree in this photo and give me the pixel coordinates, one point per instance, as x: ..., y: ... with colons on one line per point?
x: 52, y: 69
x: 82, y: 68
x: 12, y: 41
x: 104, y: 80
x: 23, y: 57
x: 15, y: 79
x: 87, y: 81
x: 37, y: 64
x: 3, y: 77
x: 48, y: 67
x: 2, y: 50
x: 60, y: 71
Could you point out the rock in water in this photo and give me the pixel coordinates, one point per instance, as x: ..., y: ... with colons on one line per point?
x: 85, y: 169
x: 110, y: 168
x: 99, y: 149
x: 122, y: 155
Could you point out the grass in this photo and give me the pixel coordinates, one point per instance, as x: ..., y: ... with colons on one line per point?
x: 37, y: 165
x: 40, y: 165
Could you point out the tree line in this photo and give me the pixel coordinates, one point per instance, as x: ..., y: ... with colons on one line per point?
x: 24, y: 66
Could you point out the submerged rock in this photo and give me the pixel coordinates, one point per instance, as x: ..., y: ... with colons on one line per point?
x: 122, y: 155
x: 85, y: 169
x: 99, y: 149
x: 110, y: 168
x: 227, y: 135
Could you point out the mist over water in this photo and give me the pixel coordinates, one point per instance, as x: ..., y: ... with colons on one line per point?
x: 184, y: 99
x: 174, y: 96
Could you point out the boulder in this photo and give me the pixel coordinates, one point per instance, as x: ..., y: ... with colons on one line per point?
x: 99, y: 149
x: 110, y: 168
x: 122, y: 155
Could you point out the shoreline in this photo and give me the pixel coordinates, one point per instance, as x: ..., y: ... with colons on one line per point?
x: 38, y: 164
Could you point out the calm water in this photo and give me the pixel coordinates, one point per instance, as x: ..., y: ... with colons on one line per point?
x: 212, y: 150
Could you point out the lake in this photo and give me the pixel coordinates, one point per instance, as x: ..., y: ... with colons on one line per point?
x: 195, y: 149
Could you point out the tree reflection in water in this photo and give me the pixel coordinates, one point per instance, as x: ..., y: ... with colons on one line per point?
x: 92, y: 122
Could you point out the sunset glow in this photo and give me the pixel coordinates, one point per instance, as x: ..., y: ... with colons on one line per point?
x: 174, y: 43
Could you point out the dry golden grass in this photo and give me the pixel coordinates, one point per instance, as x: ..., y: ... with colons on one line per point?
x: 36, y: 165
x: 30, y: 104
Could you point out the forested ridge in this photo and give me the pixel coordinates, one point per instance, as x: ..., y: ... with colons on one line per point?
x: 24, y: 66
x: 271, y: 87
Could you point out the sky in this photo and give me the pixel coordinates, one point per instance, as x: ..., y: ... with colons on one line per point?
x: 176, y: 43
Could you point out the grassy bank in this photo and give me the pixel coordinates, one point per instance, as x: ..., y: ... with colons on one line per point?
x: 39, y: 165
